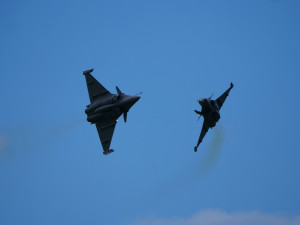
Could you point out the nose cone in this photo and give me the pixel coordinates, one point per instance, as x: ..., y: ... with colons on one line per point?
x: 132, y: 100
x: 201, y: 101
x: 136, y: 98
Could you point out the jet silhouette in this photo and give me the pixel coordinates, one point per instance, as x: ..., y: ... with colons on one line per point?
x: 105, y: 109
x: 211, y: 113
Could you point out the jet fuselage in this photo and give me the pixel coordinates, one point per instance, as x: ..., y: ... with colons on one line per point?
x: 110, y: 107
x: 210, y: 111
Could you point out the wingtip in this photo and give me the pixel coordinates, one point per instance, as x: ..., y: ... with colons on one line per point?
x: 88, y: 71
x: 108, y: 152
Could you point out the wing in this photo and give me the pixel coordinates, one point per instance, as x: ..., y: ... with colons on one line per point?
x: 106, y: 131
x: 220, y: 101
x: 95, y: 89
x: 203, y: 132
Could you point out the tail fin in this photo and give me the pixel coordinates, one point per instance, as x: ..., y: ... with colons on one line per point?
x: 119, y: 91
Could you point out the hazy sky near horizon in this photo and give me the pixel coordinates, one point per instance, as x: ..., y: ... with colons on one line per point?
x: 52, y: 170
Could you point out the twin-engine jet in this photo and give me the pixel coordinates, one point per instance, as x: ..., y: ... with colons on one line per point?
x: 211, y: 113
x: 105, y: 109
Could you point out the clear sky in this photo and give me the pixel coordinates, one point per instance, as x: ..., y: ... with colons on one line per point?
x: 52, y: 170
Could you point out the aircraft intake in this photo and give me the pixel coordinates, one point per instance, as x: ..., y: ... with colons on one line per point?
x: 93, y: 118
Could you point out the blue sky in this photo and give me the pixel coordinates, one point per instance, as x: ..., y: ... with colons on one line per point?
x: 52, y: 170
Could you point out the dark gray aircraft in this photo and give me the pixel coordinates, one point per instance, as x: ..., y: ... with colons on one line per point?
x: 211, y: 113
x: 105, y: 109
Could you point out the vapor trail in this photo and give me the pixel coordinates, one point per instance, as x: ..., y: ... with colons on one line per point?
x: 201, y: 167
x: 26, y: 138
x: 212, y: 155
x: 2, y: 143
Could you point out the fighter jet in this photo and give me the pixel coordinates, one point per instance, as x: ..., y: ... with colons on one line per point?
x: 211, y: 113
x: 105, y: 109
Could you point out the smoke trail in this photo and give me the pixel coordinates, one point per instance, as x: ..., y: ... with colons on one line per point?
x: 2, y: 143
x: 201, y: 167
x: 212, y: 155
x: 64, y: 128
x: 44, y: 137
x: 26, y: 138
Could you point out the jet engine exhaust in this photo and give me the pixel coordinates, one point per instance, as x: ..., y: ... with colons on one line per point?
x: 213, y: 153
